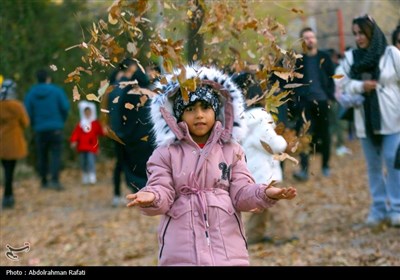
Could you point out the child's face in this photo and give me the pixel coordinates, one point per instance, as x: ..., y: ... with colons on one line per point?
x: 200, y: 118
x: 88, y: 113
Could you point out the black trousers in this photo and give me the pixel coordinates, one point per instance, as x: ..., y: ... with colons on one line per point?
x: 318, y: 113
x: 9, y: 167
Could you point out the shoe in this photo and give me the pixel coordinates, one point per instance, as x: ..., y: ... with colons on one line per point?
x: 85, y: 178
x: 92, y: 178
x: 343, y: 150
x: 326, y: 172
x: 301, y: 175
x: 8, y: 202
x: 395, y: 220
x: 118, y: 200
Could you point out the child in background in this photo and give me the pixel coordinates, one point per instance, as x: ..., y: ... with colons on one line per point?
x: 85, y: 139
x: 198, y: 178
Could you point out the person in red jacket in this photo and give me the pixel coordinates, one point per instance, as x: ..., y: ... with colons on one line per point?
x: 85, y: 138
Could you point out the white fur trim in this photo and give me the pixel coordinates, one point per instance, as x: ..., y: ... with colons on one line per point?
x: 163, y: 133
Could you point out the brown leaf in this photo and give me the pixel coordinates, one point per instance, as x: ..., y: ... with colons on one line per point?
x: 145, y: 138
x: 75, y: 94
x: 129, y: 106
x: 339, y: 76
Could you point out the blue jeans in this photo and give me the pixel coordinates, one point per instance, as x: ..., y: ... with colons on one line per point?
x: 88, y: 162
x: 384, y: 188
x: 49, y: 142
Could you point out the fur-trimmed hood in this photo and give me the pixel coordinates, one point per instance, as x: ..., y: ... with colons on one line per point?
x: 231, y: 115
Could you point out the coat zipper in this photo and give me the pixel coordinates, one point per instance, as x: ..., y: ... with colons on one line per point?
x: 241, y: 232
x: 163, y: 237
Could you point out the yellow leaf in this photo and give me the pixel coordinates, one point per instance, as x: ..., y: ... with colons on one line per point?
x: 115, y: 100
x: 92, y: 97
x: 145, y: 138
x: 339, y: 76
x: 321, y: 61
x: 292, y: 85
x: 129, y: 106
x: 75, y: 94
x: 112, y: 20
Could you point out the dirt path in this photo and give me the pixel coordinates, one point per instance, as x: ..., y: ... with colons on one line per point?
x: 79, y: 227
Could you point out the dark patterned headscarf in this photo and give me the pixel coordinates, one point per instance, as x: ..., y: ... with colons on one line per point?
x: 366, y: 67
x: 203, y: 93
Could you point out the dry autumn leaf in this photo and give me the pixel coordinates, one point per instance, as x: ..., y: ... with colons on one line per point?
x: 75, y: 94
x: 339, y: 76
x: 129, y: 106
x: 92, y: 97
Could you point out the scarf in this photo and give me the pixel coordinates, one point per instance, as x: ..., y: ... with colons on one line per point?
x: 366, y: 67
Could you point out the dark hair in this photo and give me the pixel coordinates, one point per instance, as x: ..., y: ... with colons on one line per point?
x: 42, y: 75
x: 250, y: 88
x: 113, y: 76
x: 395, y: 34
x: 126, y: 63
x: 304, y: 30
x: 87, y: 108
x: 366, y: 25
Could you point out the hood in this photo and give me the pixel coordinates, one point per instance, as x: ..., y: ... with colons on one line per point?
x: 86, y: 123
x: 231, y: 113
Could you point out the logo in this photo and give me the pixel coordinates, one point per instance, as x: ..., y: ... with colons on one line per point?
x: 11, y: 250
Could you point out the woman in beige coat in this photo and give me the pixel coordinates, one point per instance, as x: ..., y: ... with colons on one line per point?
x: 13, y: 121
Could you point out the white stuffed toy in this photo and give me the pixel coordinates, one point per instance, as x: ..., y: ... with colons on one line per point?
x: 261, y: 135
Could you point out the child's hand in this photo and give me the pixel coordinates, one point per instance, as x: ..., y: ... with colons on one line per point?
x: 281, y: 193
x: 141, y: 199
x: 73, y: 145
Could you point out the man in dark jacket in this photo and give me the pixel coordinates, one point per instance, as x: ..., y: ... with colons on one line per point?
x: 313, y: 98
x: 47, y: 107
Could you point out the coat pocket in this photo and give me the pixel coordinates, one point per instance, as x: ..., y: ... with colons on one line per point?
x: 176, y: 236
x: 226, y: 225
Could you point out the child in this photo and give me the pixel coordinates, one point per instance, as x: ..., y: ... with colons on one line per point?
x: 85, y: 139
x: 198, y: 179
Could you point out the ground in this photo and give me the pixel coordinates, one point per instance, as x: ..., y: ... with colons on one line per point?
x: 78, y: 226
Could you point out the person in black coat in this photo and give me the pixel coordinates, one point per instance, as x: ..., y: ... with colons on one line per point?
x: 314, y: 98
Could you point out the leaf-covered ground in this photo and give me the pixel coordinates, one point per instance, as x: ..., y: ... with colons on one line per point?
x: 78, y: 226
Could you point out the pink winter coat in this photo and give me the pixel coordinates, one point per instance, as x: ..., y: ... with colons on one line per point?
x: 201, y: 192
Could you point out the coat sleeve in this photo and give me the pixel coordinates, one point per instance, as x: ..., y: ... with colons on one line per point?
x: 245, y: 193
x: 75, y: 134
x: 349, y: 85
x: 160, y: 183
x: 24, y: 118
x: 64, y: 104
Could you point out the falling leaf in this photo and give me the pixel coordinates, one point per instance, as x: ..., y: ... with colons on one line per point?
x: 145, y: 138
x: 53, y: 67
x: 92, y: 97
x: 297, y: 11
x: 339, y: 76
x: 104, y: 111
x: 103, y: 87
x: 293, y: 85
x: 129, y: 106
x: 75, y: 94
x: 283, y: 156
x: 321, y: 61
x: 112, y: 20
x: 131, y: 48
x: 115, y: 100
